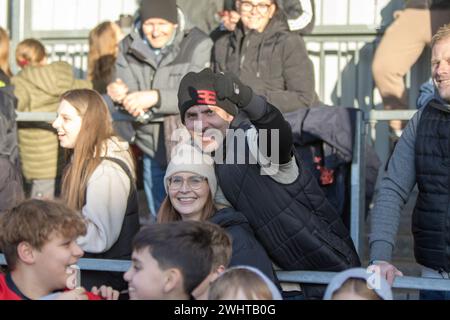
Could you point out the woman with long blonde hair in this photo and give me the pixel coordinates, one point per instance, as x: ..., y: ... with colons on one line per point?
x: 5, y: 70
x: 99, y: 181
x: 103, y: 49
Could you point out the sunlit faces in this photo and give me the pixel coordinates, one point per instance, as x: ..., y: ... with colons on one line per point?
x: 67, y: 124
x: 158, y: 31
x: 256, y: 14
x: 188, y: 193
x: 52, y: 261
x: 146, y: 281
x: 207, y: 125
x: 440, y: 67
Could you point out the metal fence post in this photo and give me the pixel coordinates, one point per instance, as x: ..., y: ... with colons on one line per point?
x: 357, y: 213
x: 15, y: 25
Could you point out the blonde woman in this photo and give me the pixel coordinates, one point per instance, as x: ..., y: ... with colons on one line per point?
x: 99, y: 181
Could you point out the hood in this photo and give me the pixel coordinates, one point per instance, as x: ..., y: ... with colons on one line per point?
x: 439, y: 103
x: 276, y: 295
x: 54, y: 79
x: 277, y: 25
x: 228, y: 217
x: 379, y: 284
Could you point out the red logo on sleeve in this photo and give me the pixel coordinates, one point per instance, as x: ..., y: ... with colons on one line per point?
x: 206, y: 97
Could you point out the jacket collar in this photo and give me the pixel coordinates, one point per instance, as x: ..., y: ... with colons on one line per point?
x: 439, y: 103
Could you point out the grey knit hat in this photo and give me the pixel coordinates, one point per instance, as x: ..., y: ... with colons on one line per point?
x: 188, y: 158
x: 377, y: 282
x: 163, y: 9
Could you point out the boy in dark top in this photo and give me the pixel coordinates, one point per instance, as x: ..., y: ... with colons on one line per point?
x: 169, y: 261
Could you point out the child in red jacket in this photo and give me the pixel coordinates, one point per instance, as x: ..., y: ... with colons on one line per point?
x: 38, y: 240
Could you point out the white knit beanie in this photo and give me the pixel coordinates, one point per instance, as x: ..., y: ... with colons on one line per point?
x: 189, y: 158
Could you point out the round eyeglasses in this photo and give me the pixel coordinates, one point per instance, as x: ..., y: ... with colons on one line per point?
x: 194, y: 182
x: 247, y: 6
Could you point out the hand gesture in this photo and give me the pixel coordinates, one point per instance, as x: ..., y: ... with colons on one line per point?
x: 228, y: 86
x: 107, y: 293
x: 388, y: 271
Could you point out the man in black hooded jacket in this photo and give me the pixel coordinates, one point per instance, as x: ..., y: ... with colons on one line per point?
x: 281, y: 200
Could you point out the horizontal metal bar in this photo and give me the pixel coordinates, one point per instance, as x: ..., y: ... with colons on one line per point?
x: 373, y: 115
x: 311, y: 277
x: 385, y: 115
x: 104, y: 265
x: 341, y: 31
x: 35, y: 116
x: 399, y: 282
x: 51, y: 116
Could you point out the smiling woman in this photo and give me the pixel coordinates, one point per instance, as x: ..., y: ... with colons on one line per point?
x: 191, y: 186
x: 268, y: 57
x: 38, y: 87
x: 98, y: 181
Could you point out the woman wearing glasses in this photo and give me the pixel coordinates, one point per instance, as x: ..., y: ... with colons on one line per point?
x: 191, y: 185
x: 267, y: 56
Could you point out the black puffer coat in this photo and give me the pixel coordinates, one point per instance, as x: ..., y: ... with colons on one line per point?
x: 246, y: 249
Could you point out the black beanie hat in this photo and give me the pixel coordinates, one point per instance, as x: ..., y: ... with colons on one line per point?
x: 163, y: 9
x: 198, y: 89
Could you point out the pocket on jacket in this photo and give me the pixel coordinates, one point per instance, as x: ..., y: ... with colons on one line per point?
x: 335, y: 245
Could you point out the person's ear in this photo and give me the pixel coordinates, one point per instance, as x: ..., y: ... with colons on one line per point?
x: 229, y: 117
x: 173, y: 280
x: 214, y: 275
x: 26, y: 253
x: 220, y: 269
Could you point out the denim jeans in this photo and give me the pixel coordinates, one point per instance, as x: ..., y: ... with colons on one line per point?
x: 153, y: 184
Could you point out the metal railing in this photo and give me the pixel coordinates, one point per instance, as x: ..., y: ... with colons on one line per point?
x: 304, y: 277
